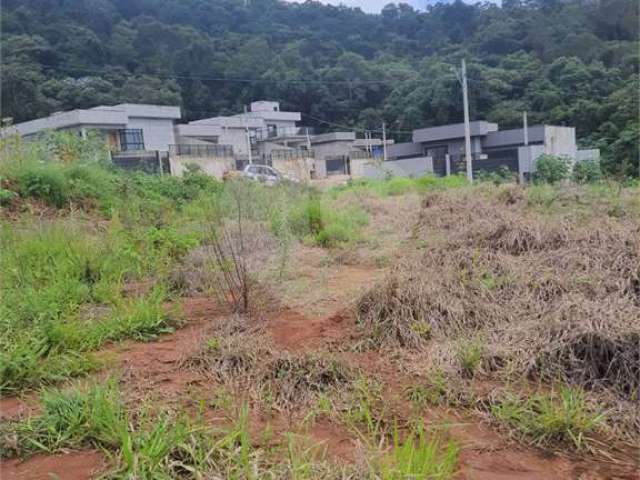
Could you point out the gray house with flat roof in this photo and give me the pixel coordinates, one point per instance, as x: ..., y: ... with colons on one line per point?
x: 126, y: 127
x: 443, y: 147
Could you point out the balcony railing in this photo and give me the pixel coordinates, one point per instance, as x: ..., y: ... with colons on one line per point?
x: 283, y: 132
x: 197, y: 150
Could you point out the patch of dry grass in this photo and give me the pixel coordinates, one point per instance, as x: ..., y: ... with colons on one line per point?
x: 246, y: 361
x: 553, y: 297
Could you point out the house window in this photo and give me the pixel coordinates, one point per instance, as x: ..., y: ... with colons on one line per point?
x: 272, y: 130
x: 131, y: 139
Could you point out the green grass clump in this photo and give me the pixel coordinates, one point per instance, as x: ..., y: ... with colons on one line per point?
x: 431, y: 182
x: 62, y: 296
x: 418, y: 456
x: 93, y: 417
x: 27, y: 365
x: 150, y: 445
x: 325, y: 225
x: 470, y: 353
x: 46, y: 182
x: 366, y: 413
x: 548, y: 419
x: 435, y: 391
x: 398, y: 185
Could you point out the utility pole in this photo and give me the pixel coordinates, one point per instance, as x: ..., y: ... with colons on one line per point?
x: 308, y: 140
x: 467, y: 128
x: 462, y: 79
x: 384, y: 141
x: 525, y: 128
x: 248, y: 136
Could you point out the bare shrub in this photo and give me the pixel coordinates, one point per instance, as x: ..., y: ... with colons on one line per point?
x: 238, y: 253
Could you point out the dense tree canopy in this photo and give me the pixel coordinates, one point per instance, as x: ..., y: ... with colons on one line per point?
x: 572, y: 62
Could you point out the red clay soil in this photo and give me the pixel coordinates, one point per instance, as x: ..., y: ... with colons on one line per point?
x: 155, y: 366
x: 295, y: 332
x: 334, y: 439
x: 13, y: 407
x: 81, y: 465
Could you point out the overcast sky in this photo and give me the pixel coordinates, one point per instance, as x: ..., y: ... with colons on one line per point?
x: 373, y: 6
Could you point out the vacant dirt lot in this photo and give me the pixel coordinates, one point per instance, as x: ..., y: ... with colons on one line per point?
x: 451, y: 310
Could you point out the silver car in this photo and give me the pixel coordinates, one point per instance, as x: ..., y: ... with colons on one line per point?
x: 264, y: 174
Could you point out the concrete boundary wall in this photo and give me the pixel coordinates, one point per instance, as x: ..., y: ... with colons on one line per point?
x: 299, y: 168
x: 214, y: 166
x: 408, y: 167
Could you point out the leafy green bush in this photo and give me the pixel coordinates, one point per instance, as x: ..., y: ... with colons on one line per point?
x: 6, y: 196
x: 46, y: 182
x: 551, y: 169
x: 587, y: 171
x: 91, y: 181
x: 178, y: 190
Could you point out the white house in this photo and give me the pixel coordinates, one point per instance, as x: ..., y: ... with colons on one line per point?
x: 126, y: 127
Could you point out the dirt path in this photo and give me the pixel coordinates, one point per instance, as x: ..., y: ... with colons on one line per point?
x: 68, y: 466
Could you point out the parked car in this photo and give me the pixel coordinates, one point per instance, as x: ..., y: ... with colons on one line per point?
x: 265, y: 174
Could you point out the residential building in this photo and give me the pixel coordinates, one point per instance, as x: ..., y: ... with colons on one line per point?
x: 266, y: 134
x: 250, y: 132
x: 125, y: 127
x: 442, y: 149
x: 139, y: 136
x: 341, y: 153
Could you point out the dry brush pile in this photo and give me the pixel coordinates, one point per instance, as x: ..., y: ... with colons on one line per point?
x: 553, y: 298
x: 245, y: 361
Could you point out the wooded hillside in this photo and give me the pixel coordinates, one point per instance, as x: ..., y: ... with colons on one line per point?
x: 569, y: 62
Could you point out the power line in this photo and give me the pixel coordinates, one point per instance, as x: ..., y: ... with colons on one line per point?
x: 205, y: 78
x: 355, y: 129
